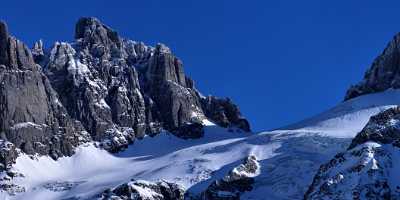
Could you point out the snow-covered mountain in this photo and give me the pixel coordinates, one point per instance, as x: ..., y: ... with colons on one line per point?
x: 105, y: 117
x: 369, y: 168
x: 288, y: 159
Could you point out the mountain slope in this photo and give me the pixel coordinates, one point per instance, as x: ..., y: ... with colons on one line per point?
x: 288, y: 158
x: 369, y: 168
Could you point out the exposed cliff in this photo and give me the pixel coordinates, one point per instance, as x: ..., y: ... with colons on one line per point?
x: 100, y: 87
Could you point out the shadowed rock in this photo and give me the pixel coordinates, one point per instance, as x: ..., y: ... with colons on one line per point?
x: 224, y: 112
x: 3, y: 43
x: 101, y: 87
x: 143, y: 190
x: 13, y: 53
x: 31, y: 117
x: 235, y: 183
x: 382, y: 128
x: 383, y: 74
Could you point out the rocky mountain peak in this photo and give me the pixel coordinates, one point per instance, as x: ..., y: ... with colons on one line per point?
x: 162, y: 48
x: 383, y: 74
x: 13, y: 53
x: 100, y: 39
x: 101, y: 88
x: 91, y: 26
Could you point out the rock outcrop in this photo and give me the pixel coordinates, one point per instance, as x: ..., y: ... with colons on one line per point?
x: 171, y: 90
x: 382, y: 128
x: 144, y: 190
x: 31, y: 116
x: 224, y: 112
x: 383, y: 74
x: 368, y: 169
x: 236, y: 182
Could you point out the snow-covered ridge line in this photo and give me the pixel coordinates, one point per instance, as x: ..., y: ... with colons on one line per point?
x: 368, y: 168
x: 349, y: 117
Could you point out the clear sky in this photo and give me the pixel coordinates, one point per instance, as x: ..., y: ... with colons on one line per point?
x: 280, y: 61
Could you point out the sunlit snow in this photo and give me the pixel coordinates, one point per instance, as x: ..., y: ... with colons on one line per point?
x: 289, y: 157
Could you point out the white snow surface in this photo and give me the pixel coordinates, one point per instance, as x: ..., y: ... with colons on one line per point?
x: 289, y: 157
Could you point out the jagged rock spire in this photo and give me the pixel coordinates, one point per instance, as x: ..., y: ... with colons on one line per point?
x: 3, y: 43
x: 38, y: 52
x: 13, y: 53
x: 38, y: 48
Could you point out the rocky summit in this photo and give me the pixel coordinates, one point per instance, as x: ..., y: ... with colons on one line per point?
x: 100, y: 87
x: 383, y: 74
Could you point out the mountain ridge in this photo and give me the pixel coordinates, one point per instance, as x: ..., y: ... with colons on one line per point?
x: 100, y: 88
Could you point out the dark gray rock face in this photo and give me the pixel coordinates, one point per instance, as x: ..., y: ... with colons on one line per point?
x: 109, y: 83
x: 235, y: 183
x: 95, y: 83
x: 383, y: 74
x: 143, y: 190
x: 8, y: 154
x: 31, y: 117
x: 97, y: 98
x: 3, y: 43
x: 100, y: 69
x: 224, y: 112
x: 101, y: 88
x: 100, y: 40
x: 13, y: 53
x: 166, y: 85
x: 190, y: 131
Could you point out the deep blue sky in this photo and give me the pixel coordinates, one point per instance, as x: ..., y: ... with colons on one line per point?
x: 281, y: 61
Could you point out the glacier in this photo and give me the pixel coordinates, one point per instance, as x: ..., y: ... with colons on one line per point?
x: 289, y: 157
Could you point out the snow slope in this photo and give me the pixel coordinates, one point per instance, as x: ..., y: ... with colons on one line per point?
x: 369, y: 171
x: 289, y: 157
x: 349, y: 117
